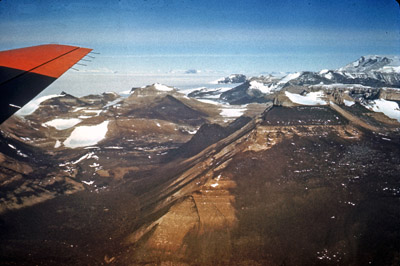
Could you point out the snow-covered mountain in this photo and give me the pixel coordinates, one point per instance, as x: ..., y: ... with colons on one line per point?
x: 234, y: 78
x: 256, y: 89
x: 371, y: 72
x: 373, y: 63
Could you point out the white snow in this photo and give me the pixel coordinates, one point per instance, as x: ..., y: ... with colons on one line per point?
x: 289, y: 77
x: 61, y: 124
x: 86, y: 156
x: 87, y: 135
x: 324, y: 71
x: 12, y: 146
x: 312, y: 98
x: 329, y: 76
x: 15, y: 106
x: 212, y: 93
x: 22, y: 154
x: 390, y: 69
x: 347, y: 74
x: 350, y: 203
x: 161, y: 87
x: 18, y: 151
x: 373, y: 63
x: 76, y: 109
x: 125, y: 93
x: 232, y: 112
x: 112, y: 103
x: 255, y: 85
x: 97, y: 112
x: 389, y: 108
x: 208, y: 101
x: 348, y: 103
x: 192, y: 132
x: 214, y: 185
x: 31, y: 107
x: 91, y: 147
x: 339, y: 86
x: 57, y: 145
x: 88, y: 182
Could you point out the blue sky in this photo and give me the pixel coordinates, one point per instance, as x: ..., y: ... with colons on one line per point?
x: 252, y: 36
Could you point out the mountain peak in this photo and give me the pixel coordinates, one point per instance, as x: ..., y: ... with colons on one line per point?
x: 233, y: 78
x: 162, y: 87
x: 373, y: 63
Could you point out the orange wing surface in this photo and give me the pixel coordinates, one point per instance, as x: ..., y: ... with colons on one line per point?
x: 25, y: 72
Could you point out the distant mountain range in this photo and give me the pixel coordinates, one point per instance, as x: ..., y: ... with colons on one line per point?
x: 367, y: 73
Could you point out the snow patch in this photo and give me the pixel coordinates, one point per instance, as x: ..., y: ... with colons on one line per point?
x: 61, y: 124
x: 125, y: 93
x: 208, y: 101
x: 112, y: 103
x: 391, y: 69
x: 57, y: 145
x: 329, y: 76
x: 324, y: 71
x: 312, y: 98
x: 348, y: 103
x: 31, y: 107
x: 161, y: 87
x: 389, y: 108
x: 255, y: 85
x: 97, y: 112
x: 87, y: 135
x: 339, y: 86
x: 232, y: 112
x: 12, y: 146
x: 18, y: 151
x: 289, y: 77
x: 192, y: 132
x: 76, y: 109
x: 86, y: 156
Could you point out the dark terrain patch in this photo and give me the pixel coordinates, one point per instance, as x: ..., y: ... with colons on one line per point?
x: 303, y: 115
x: 316, y: 200
x: 170, y: 109
x: 207, y: 135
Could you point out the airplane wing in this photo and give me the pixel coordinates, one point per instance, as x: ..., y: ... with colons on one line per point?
x: 25, y: 72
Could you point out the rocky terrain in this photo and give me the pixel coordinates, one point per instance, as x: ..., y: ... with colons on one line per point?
x: 235, y: 78
x: 276, y: 171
